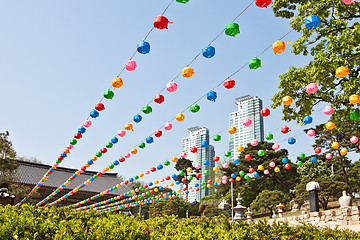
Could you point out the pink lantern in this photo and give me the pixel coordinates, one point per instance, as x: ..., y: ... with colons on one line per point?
x: 183, y: 155
x: 161, y: 179
x: 70, y: 146
x: 225, y: 165
x: 354, y: 139
x: 254, y: 143
x: 311, y: 133
x: 127, y: 155
x: 224, y: 182
x: 247, y: 122
x: 81, y: 171
x: 87, y: 123
x: 328, y: 110
x: 166, y: 186
x: 121, y: 133
x: 197, y: 166
x: 272, y: 164
x: 275, y: 146
x: 328, y: 156
x: 224, y: 177
x: 173, y: 195
x: 311, y: 88
x: 266, y: 172
x: 143, y: 194
x: 102, y: 172
x: 136, y: 190
x: 192, y: 190
x: 147, y: 172
x: 348, y: 2
x: 168, y: 126
x: 130, y: 65
x: 56, y: 164
x: 171, y: 87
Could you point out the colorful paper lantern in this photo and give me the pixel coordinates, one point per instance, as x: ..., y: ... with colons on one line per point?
x: 330, y: 125
x: 247, y: 122
x: 232, y: 29
x: 342, y: 72
x: 278, y: 47
x: 307, y: 120
x: 354, y: 139
x: 285, y: 160
x: 204, y: 144
x: 108, y: 94
x: 266, y: 172
x: 227, y: 154
x: 87, y: 123
x: 287, y: 100
x: 147, y: 109
x: 130, y: 65
x: 121, y: 133
x: 265, y: 112
x: 275, y: 146
x: 129, y: 127
x: 302, y: 155
x: 272, y: 164
x: 180, y: 117
x: 133, y: 151
x: 161, y: 22
x: 216, y: 158
x: 354, y: 99
x: 168, y: 126
x: 254, y: 63
x: 261, y: 167
x: 299, y: 163
x: 343, y: 151
x: 217, y: 138
x: 159, y: 98
x: 311, y: 132
x: 174, y: 159
x: 328, y: 156
x: 285, y: 129
x: 317, y: 150
x: 211, y: 96
x: 311, y: 88
x: 208, y: 51
x: 158, y: 133
x: 313, y: 159
x: 277, y: 169
x: 261, y: 153
x: 143, y: 47
x: 240, y: 149
x: 232, y: 130
x: 94, y: 114
x: 328, y: 110
x: 137, y: 118
x: 247, y: 157
x: 171, y: 87
x: 194, y: 108
x: 99, y: 106
x: 183, y: 155
x: 142, y: 145
x: 355, y: 116
x: 254, y: 142
x: 117, y: 82
x: 228, y: 84
x: 263, y: 3
x: 312, y: 22
x: 291, y: 140
x: 335, y: 145
x: 193, y: 149
x: 225, y: 165
x: 182, y: 1
x: 269, y: 136
x: 187, y: 72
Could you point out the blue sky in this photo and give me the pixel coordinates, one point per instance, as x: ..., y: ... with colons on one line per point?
x: 58, y: 57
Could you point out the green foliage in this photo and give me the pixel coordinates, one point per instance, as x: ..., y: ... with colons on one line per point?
x: 309, y: 170
x: 8, y: 165
x: 207, y: 198
x: 268, y: 200
x: 214, y: 211
x: 57, y: 223
x: 20, y: 191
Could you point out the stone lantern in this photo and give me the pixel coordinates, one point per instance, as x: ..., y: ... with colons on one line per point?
x: 280, y: 210
x: 248, y: 215
x: 239, y: 209
x: 313, y: 189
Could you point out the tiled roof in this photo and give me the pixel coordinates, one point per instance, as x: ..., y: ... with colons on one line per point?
x: 30, y: 173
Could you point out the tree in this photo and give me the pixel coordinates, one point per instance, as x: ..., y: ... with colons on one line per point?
x: 8, y: 164
x: 333, y: 44
x: 182, y: 165
x: 268, y: 200
x: 213, y: 211
x: 29, y: 159
x: 310, y: 170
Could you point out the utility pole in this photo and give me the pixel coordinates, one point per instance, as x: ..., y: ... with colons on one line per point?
x: 232, y: 201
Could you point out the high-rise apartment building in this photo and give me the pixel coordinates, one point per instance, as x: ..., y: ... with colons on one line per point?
x: 197, y: 136
x: 248, y: 108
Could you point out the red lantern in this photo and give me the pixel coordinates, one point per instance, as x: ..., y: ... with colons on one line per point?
x: 159, y: 99
x: 198, y: 175
x: 251, y: 170
x: 99, y: 106
x: 197, y: 189
x: 285, y: 129
x: 265, y: 112
x: 83, y: 168
x: 151, y: 191
x: 121, y: 159
x: 229, y: 83
x: 98, y: 174
x: 60, y: 158
x: 146, y: 186
x: 287, y: 166
x: 167, y: 177
x: 263, y: 3
x: 209, y: 182
x: 103, y: 150
x: 216, y: 158
x: 183, y: 181
x: 126, y: 182
x: 158, y: 133
x: 231, y: 180
x: 153, y: 169
x: 184, y: 189
x: 317, y: 150
x: 77, y: 135
x: 161, y: 22
x: 193, y: 150
x: 247, y: 157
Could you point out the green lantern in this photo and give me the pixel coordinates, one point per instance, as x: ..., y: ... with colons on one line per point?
x: 261, y: 153
x: 227, y: 154
x: 217, y: 137
x: 141, y: 188
x: 299, y: 163
x: 355, y: 116
x: 111, y: 166
x: 136, y: 177
x: 206, y: 172
x: 166, y: 163
x: 203, y: 184
x: 108, y: 94
x: 182, y: 1
x: 191, y: 178
x: 128, y: 193
x: 242, y: 173
x: 147, y: 109
x: 58, y: 161
x: 302, y: 155
x: 109, y: 145
x: 73, y: 142
x: 247, y: 177
x: 142, y: 145
x: 254, y: 63
x: 269, y: 136
x: 98, y: 154
x: 194, y: 108
x: 181, y: 173
x: 232, y: 29
x: 202, y: 187
x: 95, y: 176
x: 147, y: 193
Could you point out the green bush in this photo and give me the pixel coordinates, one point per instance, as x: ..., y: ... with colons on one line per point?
x: 57, y: 223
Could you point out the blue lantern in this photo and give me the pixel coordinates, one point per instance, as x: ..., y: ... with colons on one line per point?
x: 285, y: 160
x: 63, y: 155
x: 150, y: 184
x: 131, y: 179
x: 206, y: 162
x: 256, y: 174
x: 313, y: 159
x: 116, y: 162
x: 161, y: 188
x: 236, y: 162
x: 149, y: 140
x: 208, y: 51
x: 90, y: 162
x: 196, y: 185
x: 204, y: 144
x: 137, y: 118
x: 215, y: 184
x: 174, y: 176
x: 291, y: 140
x: 233, y: 175
x: 211, y: 96
x: 177, y: 182
x: 312, y: 22
x: 307, y: 120
x: 143, y: 47
x: 81, y: 130
x: 160, y: 167
x: 94, y: 114
x: 114, y: 140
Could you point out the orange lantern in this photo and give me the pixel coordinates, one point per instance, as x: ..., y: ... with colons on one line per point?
x: 330, y: 125
x: 133, y: 151
x: 129, y: 126
x: 187, y: 72
x: 180, y: 117
x: 232, y: 130
x: 287, y: 100
x: 343, y: 151
x: 342, y: 72
x: 278, y: 47
x: 174, y: 159
x: 354, y: 99
x: 117, y: 82
x: 335, y: 145
x: 240, y: 148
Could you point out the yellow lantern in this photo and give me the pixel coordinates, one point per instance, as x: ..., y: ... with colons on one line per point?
x: 277, y: 169
x: 141, y: 175
x: 215, y: 169
x: 343, y: 151
x: 187, y: 72
x: 117, y: 82
x: 129, y: 126
x: 106, y: 169
x: 156, y: 190
x: 217, y: 179
x: 178, y: 190
x: 88, y: 181
x: 278, y: 47
x: 66, y: 151
x: 232, y: 130
x: 77, y: 173
x: 182, y: 193
x: 174, y: 159
x: 94, y: 158
x: 208, y: 186
x: 132, y: 192
x: 342, y: 72
x: 65, y: 184
x: 189, y: 169
x: 335, y: 145
x: 354, y: 99
x: 330, y: 125
x: 156, y: 197
x: 240, y: 148
x: 156, y: 181
x: 86, y: 165
x: 53, y: 167
x: 117, y: 185
x: 287, y: 100
x: 101, y: 194
x: 180, y: 117
x: 171, y: 184
x: 133, y: 151
x: 238, y: 178
x: 261, y: 167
